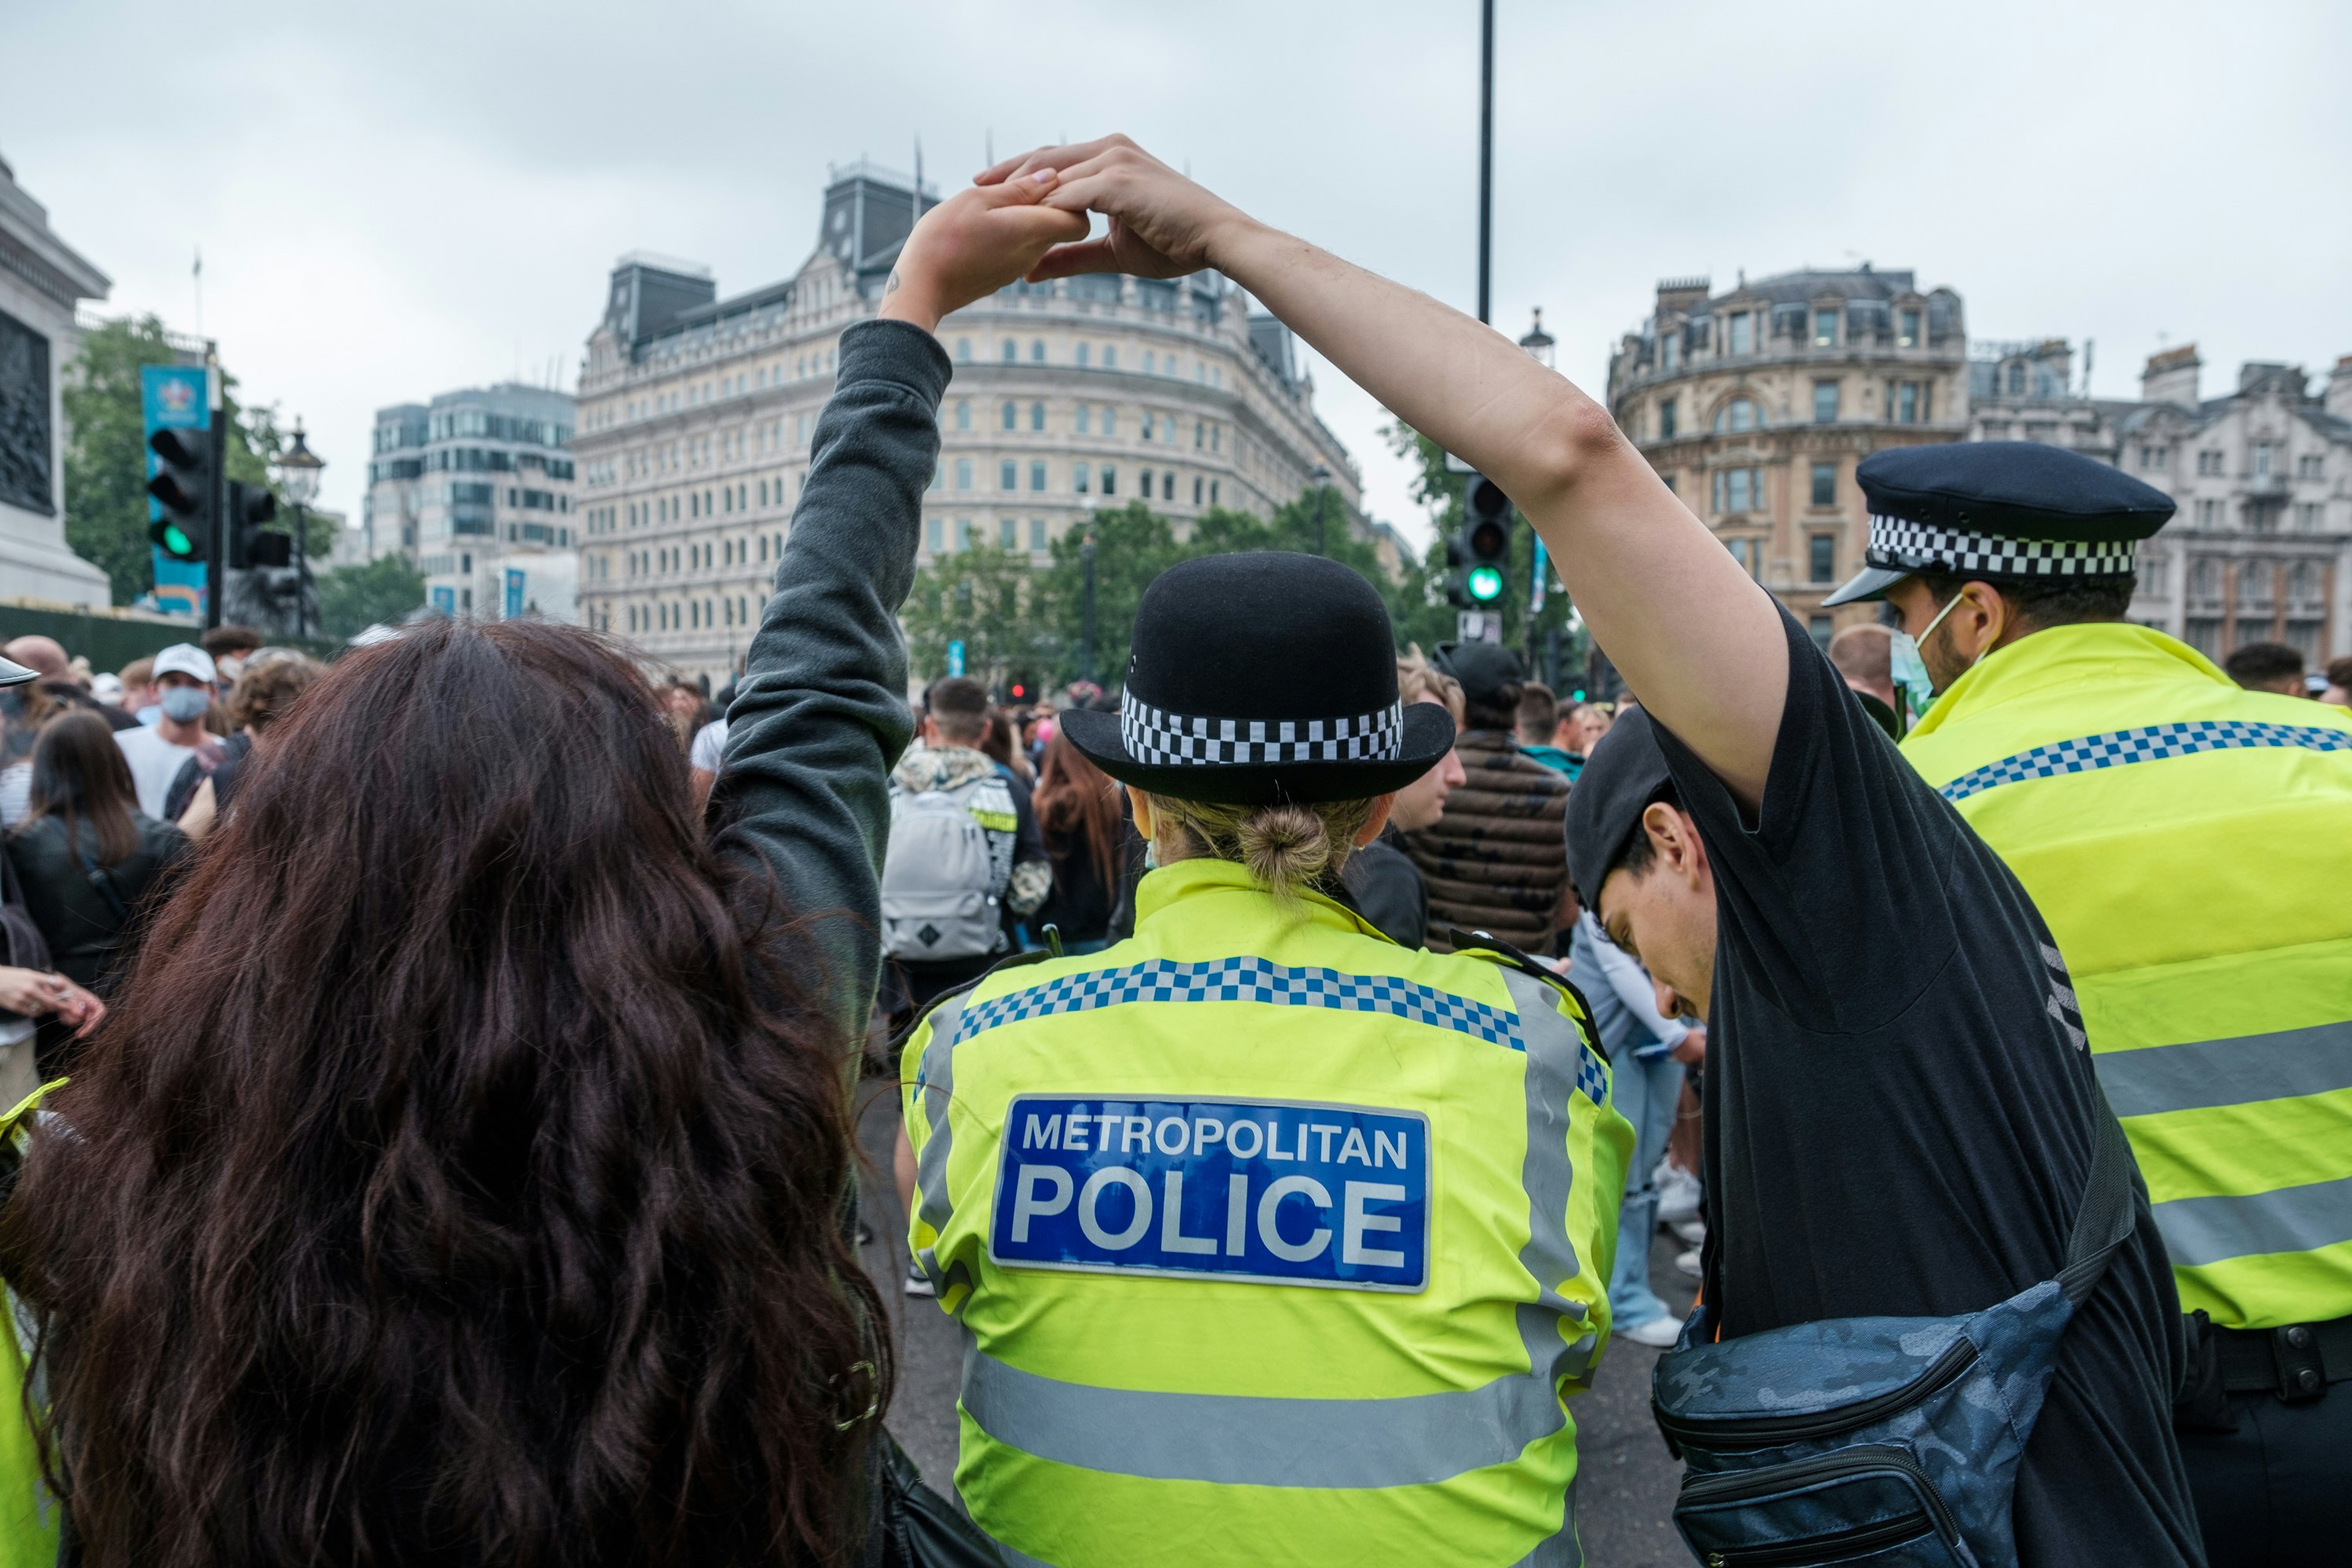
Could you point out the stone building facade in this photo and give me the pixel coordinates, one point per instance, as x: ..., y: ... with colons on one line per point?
x: 1756, y: 404
x: 472, y: 488
x: 695, y: 415
x: 2261, y: 548
x: 41, y: 281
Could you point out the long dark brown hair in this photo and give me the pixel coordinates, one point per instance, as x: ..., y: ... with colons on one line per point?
x: 1077, y: 803
x: 79, y: 776
x: 460, y: 1176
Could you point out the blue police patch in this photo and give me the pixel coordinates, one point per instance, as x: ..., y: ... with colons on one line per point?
x: 1269, y: 1191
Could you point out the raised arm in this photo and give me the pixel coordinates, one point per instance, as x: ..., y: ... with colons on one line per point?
x: 820, y: 715
x: 1700, y: 643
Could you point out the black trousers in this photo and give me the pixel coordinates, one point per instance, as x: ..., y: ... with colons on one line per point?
x: 2277, y: 1492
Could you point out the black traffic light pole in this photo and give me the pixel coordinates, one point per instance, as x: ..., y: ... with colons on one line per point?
x: 217, y: 547
x: 1485, y: 154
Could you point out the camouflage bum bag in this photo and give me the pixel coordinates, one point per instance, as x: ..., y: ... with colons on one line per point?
x: 1892, y: 1441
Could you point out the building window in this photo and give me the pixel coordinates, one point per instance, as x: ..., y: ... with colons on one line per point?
x: 1168, y: 487
x: 1740, y: 414
x: 1036, y: 533
x: 1825, y: 323
x: 963, y: 350
x: 1213, y: 493
x: 1111, y: 416
x: 1084, y: 356
x: 964, y: 473
x: 1907, y: 403
x: 1008, y: 475
x: 1037, y: 352
x: 1109, y: 480
x: 2209, y: 462
x: 1908, y: 336
x: 1198, y: 485
x: 1085, y: 420
x: 1820, y: 557
x: 1825, y: 401
x: 1144, y: 485
x: 2307, y: 517
x: 1080, y: 477
x: 1037, y: 476
x: 1670, y: 349
x: 963, y: 414
x: 2311, y: 466
x: 1821, y: 629
x: 1110, y: 357
x: 1825, y: 484
x: 1199, y: 434
x: 1150, y: 362
x: 967, y: 534
x: 2262, y: 460
x: 1012, y: 351
x: 1738, y: 489
x: 1010, y: 415
x: 1008, y: 533
x: 1036, y: 417
x: 2209, y: 514
x: 1742, y: 335
x: 1666, y: 420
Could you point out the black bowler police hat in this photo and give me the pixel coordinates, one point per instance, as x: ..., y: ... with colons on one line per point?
x: 1999, y: 510
x: 1260, y: 679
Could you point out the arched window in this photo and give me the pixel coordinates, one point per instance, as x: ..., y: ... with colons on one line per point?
x: 1740, y: 414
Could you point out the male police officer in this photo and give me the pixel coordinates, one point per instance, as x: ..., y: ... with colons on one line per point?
x: 1272, y: 1241
x: 2189, y: 844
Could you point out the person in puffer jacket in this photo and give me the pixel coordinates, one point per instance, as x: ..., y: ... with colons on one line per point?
x: 1497, y: 862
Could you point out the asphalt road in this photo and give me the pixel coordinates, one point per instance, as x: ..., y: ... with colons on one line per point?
x: 1625, y: 1493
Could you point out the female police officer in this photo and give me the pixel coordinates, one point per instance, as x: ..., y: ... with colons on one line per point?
x: 1274, y: 1241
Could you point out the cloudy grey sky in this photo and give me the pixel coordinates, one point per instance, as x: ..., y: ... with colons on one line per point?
x: 393, y: 201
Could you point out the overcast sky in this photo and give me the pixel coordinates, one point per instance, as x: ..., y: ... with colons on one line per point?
x: 396, y: 200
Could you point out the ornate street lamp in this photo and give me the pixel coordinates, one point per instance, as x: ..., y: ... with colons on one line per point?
x: 297, y: 476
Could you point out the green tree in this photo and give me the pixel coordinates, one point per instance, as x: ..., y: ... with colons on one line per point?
x: 986, y: 597
x: 106, y: 461
x: 1420, y: 608
x: 1133, y: 545
x: 354, y: 598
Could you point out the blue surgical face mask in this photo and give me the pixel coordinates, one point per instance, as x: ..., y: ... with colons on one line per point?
x: 184, y: 704
x: 1908, y: 670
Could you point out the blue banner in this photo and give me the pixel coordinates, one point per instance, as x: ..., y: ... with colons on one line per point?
x: 1276, y: 1193
x: 173, y: 397
x: 955, y: 657
x: 445, y: 600
x: 513, y: 592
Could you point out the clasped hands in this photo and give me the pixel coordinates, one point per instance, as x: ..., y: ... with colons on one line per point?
x: 1027, y: 218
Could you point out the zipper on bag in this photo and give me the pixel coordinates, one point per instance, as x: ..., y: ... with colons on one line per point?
x: 1770, y: 1431
x: 1933, y: 1514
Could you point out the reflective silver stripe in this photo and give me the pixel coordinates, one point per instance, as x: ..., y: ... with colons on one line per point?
x: 2236, y: 1071
x: 1015, y: 1559
x: 2199, y: 1231
x: 935, y: 1086
x: 1561, y: 1551
x: 1237, y: 1439
x: 1555, y: 1051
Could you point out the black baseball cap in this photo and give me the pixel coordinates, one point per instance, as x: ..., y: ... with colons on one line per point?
x: 1483, y: 668
x: 1621, y: 777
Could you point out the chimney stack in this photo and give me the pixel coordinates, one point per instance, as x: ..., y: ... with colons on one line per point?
x: 2339, y: 389
x: 2171, y: 376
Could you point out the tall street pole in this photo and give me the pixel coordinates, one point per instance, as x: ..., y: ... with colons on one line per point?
x: 1086, y: 554
x: 1486, y: 156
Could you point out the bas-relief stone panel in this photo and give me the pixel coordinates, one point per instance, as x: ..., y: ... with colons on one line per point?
x: 26, y: 478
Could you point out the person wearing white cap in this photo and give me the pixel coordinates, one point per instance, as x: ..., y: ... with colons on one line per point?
x: 185, y: 683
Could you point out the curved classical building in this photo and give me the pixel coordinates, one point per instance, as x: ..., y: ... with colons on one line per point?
x: 695, y: 415
x: 1756, y: 404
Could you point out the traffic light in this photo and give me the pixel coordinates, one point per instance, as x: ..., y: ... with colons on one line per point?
x: 182, y: 489
x: 250, y: 543
x: 1482, y: 551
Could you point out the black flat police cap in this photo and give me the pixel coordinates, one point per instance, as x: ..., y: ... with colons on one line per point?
x: 1999, y: 510
x: 1260, y: 679
x: 1625, y: 770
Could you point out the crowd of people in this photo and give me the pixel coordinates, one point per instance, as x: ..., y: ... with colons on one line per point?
x: 435, y: 1073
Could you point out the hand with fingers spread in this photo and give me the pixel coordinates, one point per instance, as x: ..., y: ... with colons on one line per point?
x: 1161, y: 223
x: 973, y: 243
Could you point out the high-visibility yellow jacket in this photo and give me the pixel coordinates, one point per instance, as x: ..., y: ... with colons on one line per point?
x: 28, y: 1512
x: 1272, y: 1241
x: 2190, y: 844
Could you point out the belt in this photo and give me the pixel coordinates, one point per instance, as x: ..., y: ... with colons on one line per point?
x: 2295, y: 1362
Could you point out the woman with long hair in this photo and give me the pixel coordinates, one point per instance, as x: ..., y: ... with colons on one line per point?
x: 87, y: 860
x: 1082, y: 817
x: 462, y: 1177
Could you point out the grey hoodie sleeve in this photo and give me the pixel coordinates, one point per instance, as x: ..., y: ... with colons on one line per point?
x: 820, y: 715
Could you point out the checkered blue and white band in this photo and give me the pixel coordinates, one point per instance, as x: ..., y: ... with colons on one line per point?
x: 1156, y: 736
x: 1900, y: 544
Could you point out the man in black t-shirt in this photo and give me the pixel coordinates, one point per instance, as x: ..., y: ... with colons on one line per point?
x: 1899, y: 1103
x: 1900, y: 1109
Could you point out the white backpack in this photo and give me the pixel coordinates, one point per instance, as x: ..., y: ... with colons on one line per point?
x: 938, y: 880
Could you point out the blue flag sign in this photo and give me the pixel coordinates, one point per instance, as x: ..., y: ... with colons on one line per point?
x: 1274, y: 1192
x: 955, y: 657
x: 514, y: 581
x: 173, y: 397
x: 445, y: 600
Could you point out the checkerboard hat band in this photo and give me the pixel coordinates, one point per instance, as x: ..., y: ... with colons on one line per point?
x: 1899, y: 545
x: 1158, y: 738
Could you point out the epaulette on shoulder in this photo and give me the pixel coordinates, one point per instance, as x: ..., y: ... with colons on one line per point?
x: 1010, y: 961
x: 1494, y: 950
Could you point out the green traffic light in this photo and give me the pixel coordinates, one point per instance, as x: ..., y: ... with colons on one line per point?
x: 177, y: 542
x: 1484, y: 584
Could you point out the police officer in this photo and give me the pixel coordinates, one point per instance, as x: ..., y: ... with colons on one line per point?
x: 1272, y: 1241
x: 2189, y: 844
